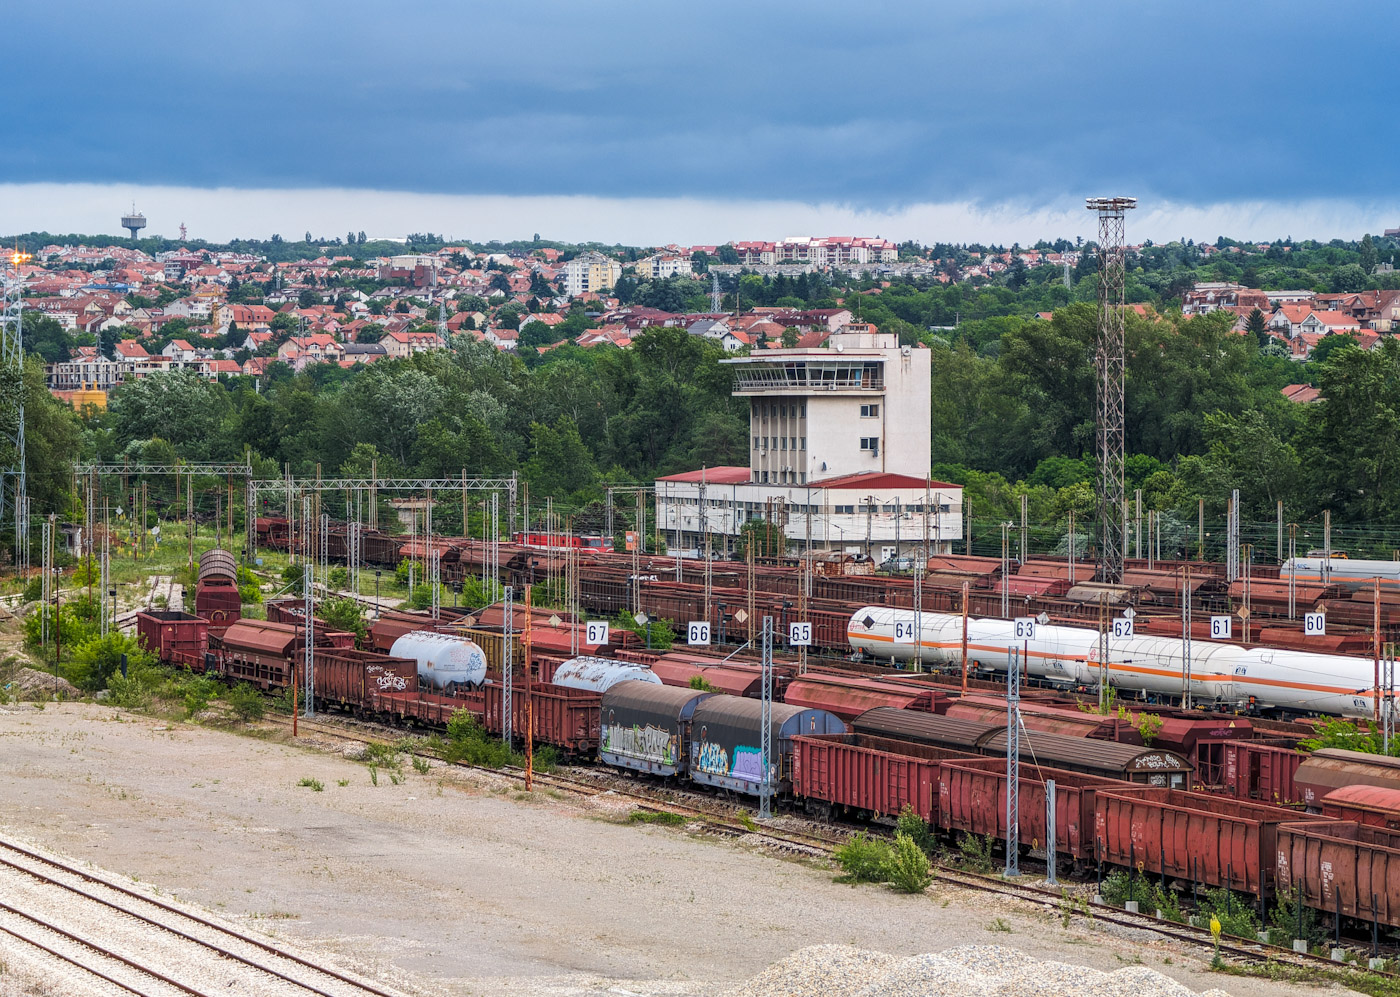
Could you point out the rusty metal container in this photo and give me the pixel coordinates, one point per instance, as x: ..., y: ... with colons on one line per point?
x: 1332, y: 861
x: 347, y: 677
x: 1249, y: 770
x: 174, y: 637
x: 972, y: 798
x: 869, y: 775
x: 1198, y: 837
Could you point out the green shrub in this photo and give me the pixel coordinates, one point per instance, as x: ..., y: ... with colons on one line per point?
x: 345, y: 614
x: 976, y: 851
x: 312, y: 784
x: 293, y: 575
x: 97, y: 659
x: 1120, y: 887
x: 663, y: 817
x: 909, y: 870
x: 468, y: 742
x: 1234, y: 911
x: 249, y: 587
x: 1283, y: 920
x: 245, y: 702
x: 864, y: 859
x: 339, y: 577
x: 917, y: 828
x: 1169, y: 903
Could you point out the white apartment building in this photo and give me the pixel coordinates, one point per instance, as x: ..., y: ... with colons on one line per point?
x: 590, y: 272
x: 839, y: 453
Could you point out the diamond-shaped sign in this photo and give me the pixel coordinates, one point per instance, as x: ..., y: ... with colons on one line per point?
x: 1244, y: 613
x: 868, y: 622
x: 554, y: 621
x: 641, y: 619
x: 740, y: 616
x: 1129, y: 613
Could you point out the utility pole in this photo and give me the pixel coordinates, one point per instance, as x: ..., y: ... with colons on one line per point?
x: 1109, y: 364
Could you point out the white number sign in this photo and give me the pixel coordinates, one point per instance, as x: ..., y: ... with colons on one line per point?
x: 697, y: 633
x: 1315, y: 624
x: 1122, y: 627
x: 800, y: 634
x: 1220, y: 627
x: 596, y: 632
x: 1025, y: 628
x: 905, y: 631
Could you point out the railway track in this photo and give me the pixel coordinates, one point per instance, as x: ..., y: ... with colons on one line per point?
x: 94, y: 932
x: 819, y: 844
x: 728, y: 821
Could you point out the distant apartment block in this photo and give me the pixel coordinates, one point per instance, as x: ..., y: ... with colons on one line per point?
x: 590, y: 272
x: 660, y: 266
x: 837, y: 251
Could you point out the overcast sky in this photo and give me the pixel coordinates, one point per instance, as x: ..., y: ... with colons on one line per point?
x: 702, y: 122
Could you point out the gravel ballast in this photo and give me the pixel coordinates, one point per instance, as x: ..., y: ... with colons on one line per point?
x: 962, y: 971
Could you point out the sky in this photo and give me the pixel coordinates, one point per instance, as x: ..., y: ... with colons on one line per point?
x: 652, y: 123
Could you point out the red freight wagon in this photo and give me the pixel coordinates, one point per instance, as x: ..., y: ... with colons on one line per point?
x: 972, y: 798
x: 1374, y: 806
x: 348, y: 677
x: 1192, y: 836
x: 174, y: 637
x: 1069, y: 721
x: 1336, y: 863
x: 564, y: 717
x: 872, y: 775
x: 1248, y: 770
x: 427, y: 707
x: 848, y: 698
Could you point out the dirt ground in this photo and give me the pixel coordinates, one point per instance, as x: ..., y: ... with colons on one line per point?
x: 454, y: 882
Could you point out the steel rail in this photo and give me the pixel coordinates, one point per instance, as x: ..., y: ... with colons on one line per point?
x: 203, y: 922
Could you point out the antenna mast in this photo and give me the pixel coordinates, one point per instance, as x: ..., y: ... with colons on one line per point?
x: 1109, y: 364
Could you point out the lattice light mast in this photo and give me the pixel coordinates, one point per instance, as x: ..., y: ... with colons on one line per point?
x: 12, y: 364
x: 1109, y: 363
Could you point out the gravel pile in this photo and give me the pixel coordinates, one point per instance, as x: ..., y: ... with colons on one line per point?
x: 965, y: 971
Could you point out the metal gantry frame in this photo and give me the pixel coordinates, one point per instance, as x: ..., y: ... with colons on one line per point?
x: 308, y: 581
x: 507, y: 661
x: 1109, y: 359
x: 765, y: 789
x: 1013, y: 763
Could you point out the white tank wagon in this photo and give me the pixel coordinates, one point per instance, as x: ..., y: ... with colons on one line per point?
x: 444, y: 660
x: 1229, y: 674
x: 1345, y: 571
x: 601, y: 674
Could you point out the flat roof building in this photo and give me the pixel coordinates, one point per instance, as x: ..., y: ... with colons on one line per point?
x: 839, y: 441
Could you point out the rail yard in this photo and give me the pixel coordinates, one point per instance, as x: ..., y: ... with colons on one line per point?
x: 1190, y: 778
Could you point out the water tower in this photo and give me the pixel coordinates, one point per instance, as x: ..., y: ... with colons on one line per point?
x: 134, y: 222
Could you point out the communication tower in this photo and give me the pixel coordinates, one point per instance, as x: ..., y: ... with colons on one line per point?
x: 12, y: 407
x: 134, y: 222
x: 1109, y: 363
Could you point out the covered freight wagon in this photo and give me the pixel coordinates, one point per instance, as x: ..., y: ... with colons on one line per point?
x: 1332, y: 768
x: 726, y: 742
x: 1374, y: 806
x: 646, y: 727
